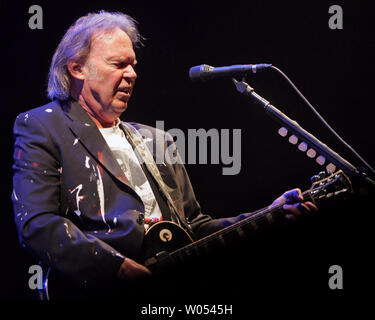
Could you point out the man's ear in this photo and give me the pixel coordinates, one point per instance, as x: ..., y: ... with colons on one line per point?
x: 75, y: 70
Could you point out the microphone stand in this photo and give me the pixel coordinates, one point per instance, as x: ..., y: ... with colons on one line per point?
x: 321, y: 148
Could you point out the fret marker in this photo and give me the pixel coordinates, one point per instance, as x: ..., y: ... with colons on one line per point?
x: 269, y: 217
x: 240, y: 232
x: 221, y: 239
x: 150, y: 261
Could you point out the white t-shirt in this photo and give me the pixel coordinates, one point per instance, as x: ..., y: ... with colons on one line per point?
x: 127, y: 159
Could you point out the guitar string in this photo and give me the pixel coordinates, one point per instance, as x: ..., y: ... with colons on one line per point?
x: 253, y: 217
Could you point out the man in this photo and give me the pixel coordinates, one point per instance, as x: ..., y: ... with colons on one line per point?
x: 86, y: 186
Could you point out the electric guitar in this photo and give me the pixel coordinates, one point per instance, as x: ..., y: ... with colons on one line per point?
x: 166, y: 242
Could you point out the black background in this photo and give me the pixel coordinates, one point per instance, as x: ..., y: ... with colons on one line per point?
x: 333, y: 68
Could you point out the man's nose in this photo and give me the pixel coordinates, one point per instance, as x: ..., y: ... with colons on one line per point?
x: 130, y: 73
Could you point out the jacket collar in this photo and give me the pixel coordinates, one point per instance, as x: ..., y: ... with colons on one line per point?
x: 88, y: 134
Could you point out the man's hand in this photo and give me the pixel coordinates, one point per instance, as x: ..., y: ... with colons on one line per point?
x: 293, y: 204
x: 131, y: 270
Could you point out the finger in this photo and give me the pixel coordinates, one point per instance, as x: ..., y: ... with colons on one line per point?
x: 140, y: 273
x: 290, y: 217
x: 297, y: 209
x: 293, y: 195
x: 311, y: 206
x: 303, y: 208
x: 136, y: 269
x: 147, y: 271
x: 306, y: 207
x: 292, y: 209
x: 140, y: 268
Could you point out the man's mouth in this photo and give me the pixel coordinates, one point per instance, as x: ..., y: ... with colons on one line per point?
x: 125, y: 92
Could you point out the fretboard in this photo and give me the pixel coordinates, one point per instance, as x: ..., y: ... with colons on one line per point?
x: 254, y: 221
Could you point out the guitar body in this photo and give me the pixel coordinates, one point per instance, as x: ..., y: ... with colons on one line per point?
x: 161, y: 239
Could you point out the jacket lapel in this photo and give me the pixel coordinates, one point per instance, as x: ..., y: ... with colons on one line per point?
x: 87, y: 133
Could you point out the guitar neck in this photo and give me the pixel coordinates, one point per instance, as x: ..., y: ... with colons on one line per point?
x: 324, y: 187
x: 253, y: 221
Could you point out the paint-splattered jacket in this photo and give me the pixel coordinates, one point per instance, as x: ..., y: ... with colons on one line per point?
x: 73, y: 207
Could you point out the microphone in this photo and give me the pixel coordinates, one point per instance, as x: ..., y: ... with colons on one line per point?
x: 205, y: 72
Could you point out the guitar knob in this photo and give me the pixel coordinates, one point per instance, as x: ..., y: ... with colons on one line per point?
x: 141, y: 218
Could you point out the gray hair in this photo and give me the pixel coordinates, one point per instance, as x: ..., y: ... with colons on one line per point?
x: 75, y: 46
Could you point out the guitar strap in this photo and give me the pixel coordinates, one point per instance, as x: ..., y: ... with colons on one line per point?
x: 160, y: 189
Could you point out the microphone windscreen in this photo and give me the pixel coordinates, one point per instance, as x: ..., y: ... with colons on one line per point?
x: 200, y: 72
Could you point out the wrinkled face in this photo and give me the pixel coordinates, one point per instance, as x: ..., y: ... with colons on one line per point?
x: 109, y: 76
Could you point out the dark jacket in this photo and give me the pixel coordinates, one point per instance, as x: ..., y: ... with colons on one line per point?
x: 73, y: 206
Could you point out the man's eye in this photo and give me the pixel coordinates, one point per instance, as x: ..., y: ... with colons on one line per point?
x: 119, y: 65
x: 123, y: 65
